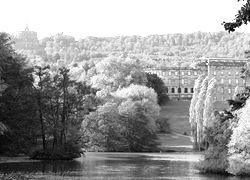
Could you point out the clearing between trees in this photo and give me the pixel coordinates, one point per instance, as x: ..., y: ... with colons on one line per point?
x: 177, y: 136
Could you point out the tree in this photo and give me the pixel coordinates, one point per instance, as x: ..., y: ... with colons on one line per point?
x: 103, y: 129
x: 238, y: 90
x: 139, y: 109
x: 239, y: 144
x: 192, y: 111
x: 243, y: 17
x: 199, y: 108
x: 114, y: 73
x: 124, y: 123
x: 42, y: 76
x: 5, y: 51
x: 153, y: 81
x: 17, y: 110
x: 62, y: 104
x: 209, y: 107
x: 66, y: 106
x: 217, y: 137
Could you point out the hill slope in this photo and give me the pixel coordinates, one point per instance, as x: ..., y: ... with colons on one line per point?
x: 176, y: 113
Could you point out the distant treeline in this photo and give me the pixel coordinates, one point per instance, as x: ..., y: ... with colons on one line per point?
x: 171, y: 46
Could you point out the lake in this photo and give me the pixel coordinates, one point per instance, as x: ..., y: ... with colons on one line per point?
x: 114, y: 166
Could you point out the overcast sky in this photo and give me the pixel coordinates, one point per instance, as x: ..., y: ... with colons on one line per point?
x: 81, y: 18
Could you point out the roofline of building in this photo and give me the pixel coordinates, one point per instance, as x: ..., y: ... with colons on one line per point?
x: 173, y: 68
x: 224, y: 58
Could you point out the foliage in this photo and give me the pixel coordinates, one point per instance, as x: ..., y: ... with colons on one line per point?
x: 140, y: 110
x: 17, y: 110
x: 243, y: 17
x: 238, y: 147
x: 153, y: 81
x: 114, y: 73
x: 125, y: 123
x: 154, y: 50
x: 217, y: 136
x: 237, y: 91
x: 208, y: 113
x: 223, y: 137
x: 6, y: 49
x: 102, y: 130
x: 192, y: 112
x: 239, y: 100
x: 62, y: 104
x: 40, y: 104
x: 199, y: 108
x: 163, y: 125
x: 5, y: 52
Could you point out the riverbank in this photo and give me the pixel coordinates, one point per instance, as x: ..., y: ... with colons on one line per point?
x: 192, y: 156
x: 111, y: 166
x: 17, y: 159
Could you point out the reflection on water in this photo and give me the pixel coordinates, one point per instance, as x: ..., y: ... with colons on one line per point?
x: 117, y: 166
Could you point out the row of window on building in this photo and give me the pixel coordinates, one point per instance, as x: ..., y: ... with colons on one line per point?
x: 175, y: 73
x: 189, y: 73
x: 180, y: 90
x: 229, y: 73
x: 220, y: 90
x: 232, y: 81
x: 177, y: 81
x: 191, y: 81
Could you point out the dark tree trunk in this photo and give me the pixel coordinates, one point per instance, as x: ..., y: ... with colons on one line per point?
x: 42, y: 123
x: 64, y: 113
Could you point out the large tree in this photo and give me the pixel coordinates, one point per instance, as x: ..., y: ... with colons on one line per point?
x: 199, y: 108
x: 239, y: 145
x: 192, y: 110
x: 209, y: 107
x: 153, y: 81
x: 124, y: 123
x: 116, y: 72
x: 139, y: 109
x: 17, y: 110
x: 61, y: 105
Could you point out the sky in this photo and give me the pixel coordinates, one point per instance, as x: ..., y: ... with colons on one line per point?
x: 104, y: 18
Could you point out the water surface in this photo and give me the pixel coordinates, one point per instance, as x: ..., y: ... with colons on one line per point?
x: 116, y: 166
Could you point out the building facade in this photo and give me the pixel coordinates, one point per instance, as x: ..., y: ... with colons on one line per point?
x: 180, y: 81
x: 26, y: 40
x: 227, y: 72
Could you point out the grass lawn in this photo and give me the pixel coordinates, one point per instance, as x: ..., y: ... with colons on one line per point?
x: 177, y: 115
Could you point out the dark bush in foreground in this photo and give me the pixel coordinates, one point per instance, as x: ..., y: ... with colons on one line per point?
x: 54, y: 155
x: 69, y: 152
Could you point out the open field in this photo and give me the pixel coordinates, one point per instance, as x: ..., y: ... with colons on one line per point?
x: 176, y: 113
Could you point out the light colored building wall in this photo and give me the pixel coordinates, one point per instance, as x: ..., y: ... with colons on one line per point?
x: 180, y: 81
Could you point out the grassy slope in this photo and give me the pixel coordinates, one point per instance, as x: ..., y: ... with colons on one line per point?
x: 176, y: 113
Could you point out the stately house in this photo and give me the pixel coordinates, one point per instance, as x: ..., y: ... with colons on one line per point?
x: 180, y: 81
x: 26, y: 40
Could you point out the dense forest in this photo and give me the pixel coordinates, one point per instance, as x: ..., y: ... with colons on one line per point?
x: 156, y: 50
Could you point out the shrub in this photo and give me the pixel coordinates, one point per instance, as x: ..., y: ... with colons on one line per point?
x: 217, y: 138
